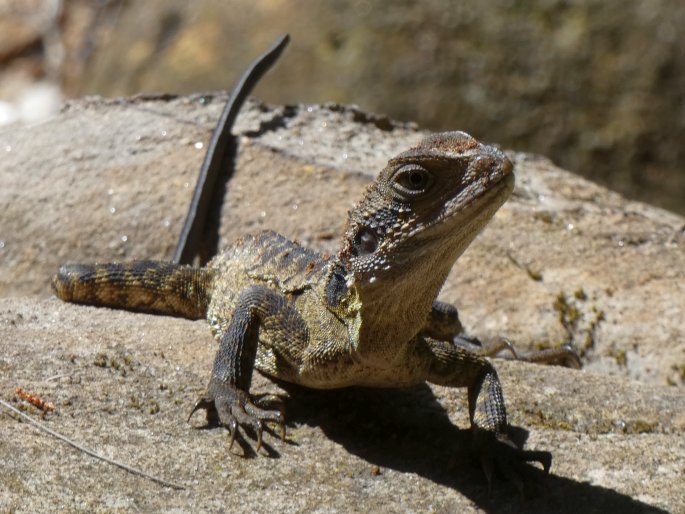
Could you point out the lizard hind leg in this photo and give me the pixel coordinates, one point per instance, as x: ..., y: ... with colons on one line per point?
x: 501, y: 347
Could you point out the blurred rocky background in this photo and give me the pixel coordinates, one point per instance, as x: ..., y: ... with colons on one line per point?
x: 597, y: 85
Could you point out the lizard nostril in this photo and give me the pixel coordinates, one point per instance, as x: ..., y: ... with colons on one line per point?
x: 507, y: 166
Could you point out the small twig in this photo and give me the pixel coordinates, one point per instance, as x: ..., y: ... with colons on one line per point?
x: 535, y: 275
x: 57, y: 377
x: 62, y: 438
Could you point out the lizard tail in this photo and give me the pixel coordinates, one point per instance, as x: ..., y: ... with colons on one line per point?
x: 143, y: 286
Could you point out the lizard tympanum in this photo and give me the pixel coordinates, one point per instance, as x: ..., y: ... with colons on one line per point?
x: 365, y: 317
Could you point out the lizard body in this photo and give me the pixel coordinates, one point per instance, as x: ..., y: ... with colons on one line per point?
x: 367, y: 316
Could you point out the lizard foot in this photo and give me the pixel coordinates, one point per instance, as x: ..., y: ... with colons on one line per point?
x: 232, y: 407
x: 498, y: 452
x: 563, y: 355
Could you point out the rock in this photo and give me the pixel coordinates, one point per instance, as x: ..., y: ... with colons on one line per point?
x: 563, y: 261
x: 555, y: 77
x: 559, y: 78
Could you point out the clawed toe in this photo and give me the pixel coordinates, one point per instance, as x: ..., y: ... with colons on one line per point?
x: 233, y: 408
x: 498, y: 453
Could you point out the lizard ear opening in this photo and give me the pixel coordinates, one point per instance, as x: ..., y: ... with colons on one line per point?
x: 365, y: 242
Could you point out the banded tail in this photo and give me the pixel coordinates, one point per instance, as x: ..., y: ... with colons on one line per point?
x: 143, y: 286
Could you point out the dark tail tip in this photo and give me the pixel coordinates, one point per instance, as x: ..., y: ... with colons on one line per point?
x: 67, y: 275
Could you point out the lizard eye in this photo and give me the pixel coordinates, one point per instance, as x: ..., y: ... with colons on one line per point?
x: 411, y: 180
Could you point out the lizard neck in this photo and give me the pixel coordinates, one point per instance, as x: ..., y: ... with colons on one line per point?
x: 384, y: 315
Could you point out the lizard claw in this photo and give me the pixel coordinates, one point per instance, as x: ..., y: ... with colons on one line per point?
x: 203, y: 403
x: 498, y: 452
x: 232, y: 407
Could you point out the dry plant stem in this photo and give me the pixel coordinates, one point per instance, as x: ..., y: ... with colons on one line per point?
x: 65, y: 439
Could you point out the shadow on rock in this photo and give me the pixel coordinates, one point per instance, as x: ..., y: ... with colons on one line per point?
x: 408, y: 430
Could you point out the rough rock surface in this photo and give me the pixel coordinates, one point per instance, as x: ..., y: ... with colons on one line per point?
x: 597, y: 85
x: 564, y: 261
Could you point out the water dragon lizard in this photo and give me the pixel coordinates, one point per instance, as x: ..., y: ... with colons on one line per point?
x: 367, y: 316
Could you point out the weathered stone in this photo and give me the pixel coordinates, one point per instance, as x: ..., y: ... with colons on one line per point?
x: 564, y: 261
x: 597, y: 85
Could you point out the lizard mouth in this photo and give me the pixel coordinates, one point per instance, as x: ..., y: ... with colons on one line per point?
x: 472, y: 215
x: 489, y: 201
x: 454, y: 228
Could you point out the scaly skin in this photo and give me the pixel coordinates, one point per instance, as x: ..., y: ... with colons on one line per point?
x: 366, y: 317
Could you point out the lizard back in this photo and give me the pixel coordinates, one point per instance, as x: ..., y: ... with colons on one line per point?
x: 270, y: 257
x: 266, y: 258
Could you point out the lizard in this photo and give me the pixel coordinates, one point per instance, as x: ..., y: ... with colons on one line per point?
x: 367, y: 316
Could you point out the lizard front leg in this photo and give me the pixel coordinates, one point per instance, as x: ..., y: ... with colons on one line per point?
x: 227, y: 400
x: 455, y: 366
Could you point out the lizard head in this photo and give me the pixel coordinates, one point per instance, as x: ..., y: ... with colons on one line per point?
x: 421, y: 213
